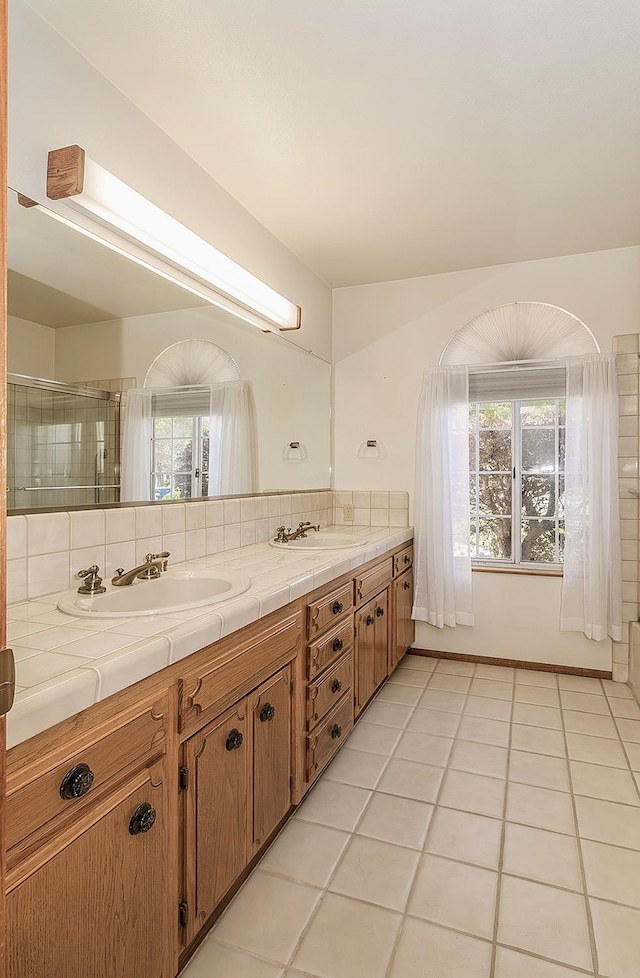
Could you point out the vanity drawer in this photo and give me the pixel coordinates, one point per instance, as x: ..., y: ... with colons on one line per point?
x: 329, y: 736
x: 329, y: 688
x: 321, y: 614
x: 373, y: 581
x: 326, y: 650
x: 402, y: 561
x: 208, y: 691
x: 72, y: 786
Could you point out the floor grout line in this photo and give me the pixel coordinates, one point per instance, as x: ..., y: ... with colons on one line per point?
x: 503, y: 834
x: 590, y: 927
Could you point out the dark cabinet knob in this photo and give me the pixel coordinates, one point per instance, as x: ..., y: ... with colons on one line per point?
x: 406, y: 585
x: 337, y: 645
x: 234, y: 740
x: 267, y: 712
x: 336, y: 686
x: 336, y: 731
x: 77, y: 782
x: 143, y: 819
x: 337, y: 607
x: 369, y: 620
x: 407, y: 559
x: 379, y: 612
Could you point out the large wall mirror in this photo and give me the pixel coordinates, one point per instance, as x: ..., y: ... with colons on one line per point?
x: 85, y: 326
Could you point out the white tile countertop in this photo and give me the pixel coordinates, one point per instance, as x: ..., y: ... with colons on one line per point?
x: 66, y: 664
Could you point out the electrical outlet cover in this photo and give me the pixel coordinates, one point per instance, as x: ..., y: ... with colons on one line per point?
x: 349, y: 513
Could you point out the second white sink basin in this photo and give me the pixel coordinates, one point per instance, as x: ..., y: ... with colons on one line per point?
x: 320, y: 541
x: 174, y: 591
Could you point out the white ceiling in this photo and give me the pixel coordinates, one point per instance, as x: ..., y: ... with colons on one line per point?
x: 381, y: 139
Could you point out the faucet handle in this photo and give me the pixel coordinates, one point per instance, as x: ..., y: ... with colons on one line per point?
x: 92, y: 581
x: 163, y: 556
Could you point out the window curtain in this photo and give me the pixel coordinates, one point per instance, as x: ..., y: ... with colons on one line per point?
x: 233, y: 453
x: 592, y: 581
x: 135, y: 465
x: 442, y: 509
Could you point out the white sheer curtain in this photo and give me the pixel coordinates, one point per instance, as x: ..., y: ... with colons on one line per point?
x: 592, y: 582
x: 135, y: 465
x: 233, y: 417
x: 442, y: 509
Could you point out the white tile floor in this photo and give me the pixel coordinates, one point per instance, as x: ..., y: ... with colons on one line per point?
x: 481, y: 822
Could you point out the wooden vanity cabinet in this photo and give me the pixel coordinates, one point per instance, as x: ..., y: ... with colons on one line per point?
x: 101, y: 905
x: 371, y: 648
x: 191, y: 772
x: 236, y: 720
x: 215, y: 791
x: 270, y: 711
x: 403, y: 629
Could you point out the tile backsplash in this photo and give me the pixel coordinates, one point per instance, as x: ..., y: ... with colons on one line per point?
x: 46, y: 550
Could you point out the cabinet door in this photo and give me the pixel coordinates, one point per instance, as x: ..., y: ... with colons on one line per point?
x: 381, y: 641
x: 403, y: 625
x: 270, y: 708
x: 216, y: 805
x: 104, y: 906
x: 365, y: 652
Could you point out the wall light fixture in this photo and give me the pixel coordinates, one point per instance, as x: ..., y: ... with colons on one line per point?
x: 157, y: 240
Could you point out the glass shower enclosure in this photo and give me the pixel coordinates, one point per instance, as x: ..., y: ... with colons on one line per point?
x: 63, y: 445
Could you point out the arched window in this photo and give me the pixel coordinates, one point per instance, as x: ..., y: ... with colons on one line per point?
x: 517, y: 379
x: 190, y: 431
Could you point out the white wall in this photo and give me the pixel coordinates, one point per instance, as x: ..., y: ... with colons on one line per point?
x: 56, y: 98
x: 30, y: 348
x: 292, y: 389
x: 384, y: 337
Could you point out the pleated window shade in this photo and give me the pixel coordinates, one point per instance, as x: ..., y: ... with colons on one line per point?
x: 520, y: 383
x: 186, y: 403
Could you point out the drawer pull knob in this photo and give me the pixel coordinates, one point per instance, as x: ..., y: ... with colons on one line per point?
x: 267, y: 713
x: 77, y: 782
x: 407, y: 558
x: 336, y: 731
x: 406, y: 585
x: 234, y: 740
x: 336, y: 686
x: 337, y: 607
x: 369, y: 620
x: 380, y: 612
x: 143, y: 819
x: 337, y: 645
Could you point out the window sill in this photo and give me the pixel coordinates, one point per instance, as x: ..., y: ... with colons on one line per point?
x: 528, y: 571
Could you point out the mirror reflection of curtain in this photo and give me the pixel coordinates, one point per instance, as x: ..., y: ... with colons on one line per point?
x: 232, y: 433
x: 135, y: 463
x: 233, y: 414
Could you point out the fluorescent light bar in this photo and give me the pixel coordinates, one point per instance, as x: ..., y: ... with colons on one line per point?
x: 169, y: 247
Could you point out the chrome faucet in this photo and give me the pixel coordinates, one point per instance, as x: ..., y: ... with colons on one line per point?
x: 153, y: 566
x: 284, y: 536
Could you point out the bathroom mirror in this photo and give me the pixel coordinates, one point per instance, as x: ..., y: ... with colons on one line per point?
x: 85, y: 324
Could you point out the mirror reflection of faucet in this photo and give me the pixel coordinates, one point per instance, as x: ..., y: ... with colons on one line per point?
x: 285, y: 535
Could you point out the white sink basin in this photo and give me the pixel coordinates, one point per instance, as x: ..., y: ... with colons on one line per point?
x: 174, y: 591
x: 320, y: 541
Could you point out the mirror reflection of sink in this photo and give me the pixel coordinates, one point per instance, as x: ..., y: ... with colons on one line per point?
x: 174, y: 591
x: 324, y: 540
